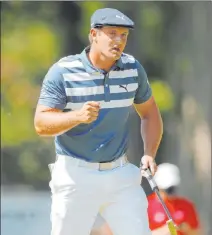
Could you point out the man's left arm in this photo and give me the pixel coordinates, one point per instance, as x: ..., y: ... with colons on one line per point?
x: 151, y: 121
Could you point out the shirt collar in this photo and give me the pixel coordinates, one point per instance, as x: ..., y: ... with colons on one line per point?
x: 90, y: 68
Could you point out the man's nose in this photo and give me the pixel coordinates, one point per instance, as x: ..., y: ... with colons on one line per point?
x: 118, y: 39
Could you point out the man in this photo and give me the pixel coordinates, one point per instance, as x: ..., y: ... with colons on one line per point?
x: 84, y: 102
x: 182, y: 209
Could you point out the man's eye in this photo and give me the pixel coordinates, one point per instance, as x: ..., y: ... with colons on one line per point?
x: 124, y: 36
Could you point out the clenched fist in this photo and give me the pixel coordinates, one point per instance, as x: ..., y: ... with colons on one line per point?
x: 89, y: 112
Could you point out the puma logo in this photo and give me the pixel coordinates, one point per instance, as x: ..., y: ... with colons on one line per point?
x: 125, y: 87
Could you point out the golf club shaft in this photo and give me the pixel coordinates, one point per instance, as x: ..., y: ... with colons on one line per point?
x: 155, y: 188
x: 163, y: 204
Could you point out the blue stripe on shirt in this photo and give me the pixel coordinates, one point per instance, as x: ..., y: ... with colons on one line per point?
x: 99, y: 97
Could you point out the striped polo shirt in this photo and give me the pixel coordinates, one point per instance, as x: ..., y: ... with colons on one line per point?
x: 72, y: 81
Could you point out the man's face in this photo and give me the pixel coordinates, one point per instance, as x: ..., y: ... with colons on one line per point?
x: 110, y: 41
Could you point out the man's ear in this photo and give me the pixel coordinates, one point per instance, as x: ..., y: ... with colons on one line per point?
x: 93, y: 33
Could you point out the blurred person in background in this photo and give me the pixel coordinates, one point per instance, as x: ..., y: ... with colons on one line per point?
x: 85, y: 102
x: 181, y: 208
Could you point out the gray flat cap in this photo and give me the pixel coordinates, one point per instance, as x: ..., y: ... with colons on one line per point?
x: 110, y: 17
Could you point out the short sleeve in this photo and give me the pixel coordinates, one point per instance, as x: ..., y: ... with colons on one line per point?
x: 53, y: 89
x: 144, y: 91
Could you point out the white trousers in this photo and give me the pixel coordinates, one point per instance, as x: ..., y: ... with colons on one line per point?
x: 79, y: 194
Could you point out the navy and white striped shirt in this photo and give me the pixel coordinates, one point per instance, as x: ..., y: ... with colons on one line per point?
x: 72, y: 81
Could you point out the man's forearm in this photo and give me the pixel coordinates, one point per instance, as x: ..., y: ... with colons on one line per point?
x: 151, y: 132
x: 55, y: 123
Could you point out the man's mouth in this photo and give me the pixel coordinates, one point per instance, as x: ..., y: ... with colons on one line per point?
x: 116, y: 49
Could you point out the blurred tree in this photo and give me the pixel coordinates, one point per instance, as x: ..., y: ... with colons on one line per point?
x: 27, y: 50
x: 69, y: 15
x: 87, y: 9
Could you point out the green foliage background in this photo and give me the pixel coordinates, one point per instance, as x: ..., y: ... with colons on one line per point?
x: 171, y: 40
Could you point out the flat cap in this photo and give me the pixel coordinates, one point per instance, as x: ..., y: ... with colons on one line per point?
x: 110, y: 17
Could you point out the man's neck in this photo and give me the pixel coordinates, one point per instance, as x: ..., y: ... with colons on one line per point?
x: 99, y: 61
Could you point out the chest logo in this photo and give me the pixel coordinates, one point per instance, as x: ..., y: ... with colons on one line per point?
x: 124, y: 87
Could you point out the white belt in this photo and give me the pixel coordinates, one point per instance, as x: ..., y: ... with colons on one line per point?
x: 94, y: 165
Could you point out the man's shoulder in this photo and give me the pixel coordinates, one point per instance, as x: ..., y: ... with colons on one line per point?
x: 68, y: 62
x: 130, y: 59
x: 64, y: 65
x: 127, y: 58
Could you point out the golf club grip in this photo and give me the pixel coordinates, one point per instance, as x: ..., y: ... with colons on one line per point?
x: 151, y: 180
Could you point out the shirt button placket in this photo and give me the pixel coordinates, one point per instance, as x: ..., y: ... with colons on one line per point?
x: 106, y: 87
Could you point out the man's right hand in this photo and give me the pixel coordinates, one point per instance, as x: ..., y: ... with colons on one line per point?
x: 89, y: 112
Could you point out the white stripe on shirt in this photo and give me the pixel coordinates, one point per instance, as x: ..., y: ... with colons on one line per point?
x: 124, y: 74
x: 81, y: 76
x: 128, y: 59
x: 96, y: 90
x: 84, y: 91
x: 103, y: 104
x: 119, y: 89
x: 70, y: 64
x: 86, y: 76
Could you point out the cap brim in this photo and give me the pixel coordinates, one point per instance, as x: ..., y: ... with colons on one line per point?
x: 114, y: 25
